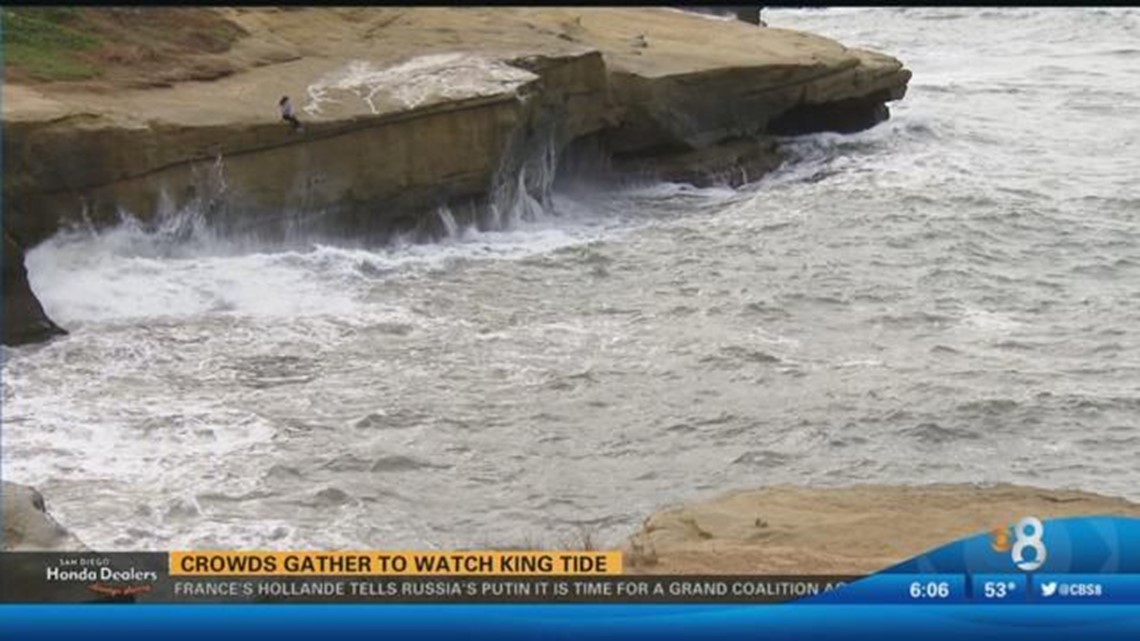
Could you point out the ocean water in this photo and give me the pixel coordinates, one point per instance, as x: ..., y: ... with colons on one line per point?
x: 951, y: 296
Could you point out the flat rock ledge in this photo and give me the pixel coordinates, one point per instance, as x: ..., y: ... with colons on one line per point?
x: 853, y: 530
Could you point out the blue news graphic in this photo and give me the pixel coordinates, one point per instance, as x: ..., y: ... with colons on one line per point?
x: 1076, y: 545
x: 1085, y: 588
x: 569, y: 622
x: 1063, y: 561
x: 899, y: 588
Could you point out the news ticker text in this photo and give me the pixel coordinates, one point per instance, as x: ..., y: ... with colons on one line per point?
x: 496, y: 577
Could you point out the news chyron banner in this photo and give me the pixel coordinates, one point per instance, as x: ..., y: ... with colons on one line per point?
x: 1086, y: 560
x: 375, y: 577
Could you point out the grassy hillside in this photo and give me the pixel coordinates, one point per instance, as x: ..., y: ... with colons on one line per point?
x: 48, y: 44
x: 59, y: 44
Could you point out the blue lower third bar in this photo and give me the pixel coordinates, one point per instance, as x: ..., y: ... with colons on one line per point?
x: 1101, y: 589
x: 899, y: 588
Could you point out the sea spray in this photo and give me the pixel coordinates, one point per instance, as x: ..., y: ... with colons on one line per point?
x: 523, y: 185
x: 447, y: 221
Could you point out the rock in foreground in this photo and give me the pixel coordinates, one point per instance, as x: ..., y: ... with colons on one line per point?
x: 27, y: 525
x: 857, y: 530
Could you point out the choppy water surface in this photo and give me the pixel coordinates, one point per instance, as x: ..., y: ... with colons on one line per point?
x: 951, y: 296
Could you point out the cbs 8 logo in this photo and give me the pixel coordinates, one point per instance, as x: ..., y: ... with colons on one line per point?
x: 1028, y: 534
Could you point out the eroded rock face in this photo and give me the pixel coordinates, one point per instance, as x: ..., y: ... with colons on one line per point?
x: 24, y: 318
x: 843, y: 116
x: 732, y: 163
x: 27, y: 525
x: 353, y: 171
x: 699, y: 109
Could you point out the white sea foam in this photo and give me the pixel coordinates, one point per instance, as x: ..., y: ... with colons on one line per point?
x: 129, y: 272
x: 416, y: 82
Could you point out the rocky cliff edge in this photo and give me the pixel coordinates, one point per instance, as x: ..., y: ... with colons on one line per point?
x: 408, y: 111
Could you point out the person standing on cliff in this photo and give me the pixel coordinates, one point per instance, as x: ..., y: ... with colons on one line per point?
x: 287, y: 114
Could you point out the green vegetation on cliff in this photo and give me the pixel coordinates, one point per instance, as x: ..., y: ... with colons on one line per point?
x: 48, y: 44
x: 60, y: 44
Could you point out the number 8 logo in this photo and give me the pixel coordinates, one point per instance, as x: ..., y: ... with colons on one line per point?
x: 1028, y: 535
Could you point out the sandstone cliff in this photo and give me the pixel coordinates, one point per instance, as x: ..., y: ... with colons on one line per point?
x: 853, y: 530
x: 410, y: 110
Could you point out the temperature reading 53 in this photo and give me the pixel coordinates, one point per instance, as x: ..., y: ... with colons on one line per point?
x: 929, y: 590
x: 998, y: 589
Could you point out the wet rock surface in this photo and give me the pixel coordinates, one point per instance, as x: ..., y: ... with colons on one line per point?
x: 24, y: 318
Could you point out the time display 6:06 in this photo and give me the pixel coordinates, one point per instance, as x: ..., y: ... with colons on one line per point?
x: 929, y: 590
